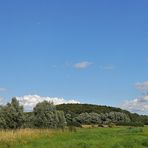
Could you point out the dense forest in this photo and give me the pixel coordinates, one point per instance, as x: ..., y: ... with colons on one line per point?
x: 46, y: 115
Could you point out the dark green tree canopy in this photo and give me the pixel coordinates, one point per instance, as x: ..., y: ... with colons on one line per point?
x: 44, y: 106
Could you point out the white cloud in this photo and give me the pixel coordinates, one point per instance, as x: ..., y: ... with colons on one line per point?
x: 138, y: 105
x: 142, y: 86
x: 2, y: 89
x: 82, y: 65
x: 29, y: 101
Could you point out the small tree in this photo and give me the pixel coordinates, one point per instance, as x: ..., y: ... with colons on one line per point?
x: 13, y: 114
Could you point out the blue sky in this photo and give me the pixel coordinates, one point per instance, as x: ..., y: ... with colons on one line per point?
x: 90, y: 50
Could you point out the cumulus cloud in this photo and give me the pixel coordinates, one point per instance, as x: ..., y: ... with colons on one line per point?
x: 29, y: 101
x: 136, y: 105
x: 142, y: 86
x: 139, y: 104
x: 82, y: 65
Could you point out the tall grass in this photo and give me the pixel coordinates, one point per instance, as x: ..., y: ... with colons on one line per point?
x: 9, y: 138
x: 119, y: 137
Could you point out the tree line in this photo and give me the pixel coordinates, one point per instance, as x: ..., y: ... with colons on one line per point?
x: 46, y: 115
x: 76, y: 109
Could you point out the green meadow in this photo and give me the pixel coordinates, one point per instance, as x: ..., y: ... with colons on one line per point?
x: 117, y: 137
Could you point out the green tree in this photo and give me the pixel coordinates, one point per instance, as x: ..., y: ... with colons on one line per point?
x: 3, y: 124
x: 46, y: 116
x: 29, y: 120
x: 13, y: 114
x: 44, y: 106
x: 61, y: 119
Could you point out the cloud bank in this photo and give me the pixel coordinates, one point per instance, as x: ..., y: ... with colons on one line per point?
x: 139, y: 104
x: 82, y: 65
x: 29, y: 101
x: 136, y: 105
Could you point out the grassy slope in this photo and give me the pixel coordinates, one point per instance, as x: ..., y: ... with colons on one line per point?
x: 85, y: 138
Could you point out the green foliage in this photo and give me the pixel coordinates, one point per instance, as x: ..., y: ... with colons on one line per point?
x: 61, y: 119
x: 29, y: 120
x: 3, y: 124
x: 11, y: 115
x: 44, y: 106
x: 74, y: 110
x: 46, y: 116
x: 116, y: 117
x: 94, y: 118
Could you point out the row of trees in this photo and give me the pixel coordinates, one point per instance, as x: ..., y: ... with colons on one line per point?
x: 95, y: 118
x: 47, y: 115
x: 44, y: 115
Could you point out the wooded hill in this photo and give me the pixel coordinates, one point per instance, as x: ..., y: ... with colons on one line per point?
x: 81, y: 108
x: 77, y: 109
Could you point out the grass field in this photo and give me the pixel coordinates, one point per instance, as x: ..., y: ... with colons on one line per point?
x: 118, y: 137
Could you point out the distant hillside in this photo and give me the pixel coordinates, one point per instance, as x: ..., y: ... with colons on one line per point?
x: 81, y: 108
x: 76, y: 109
